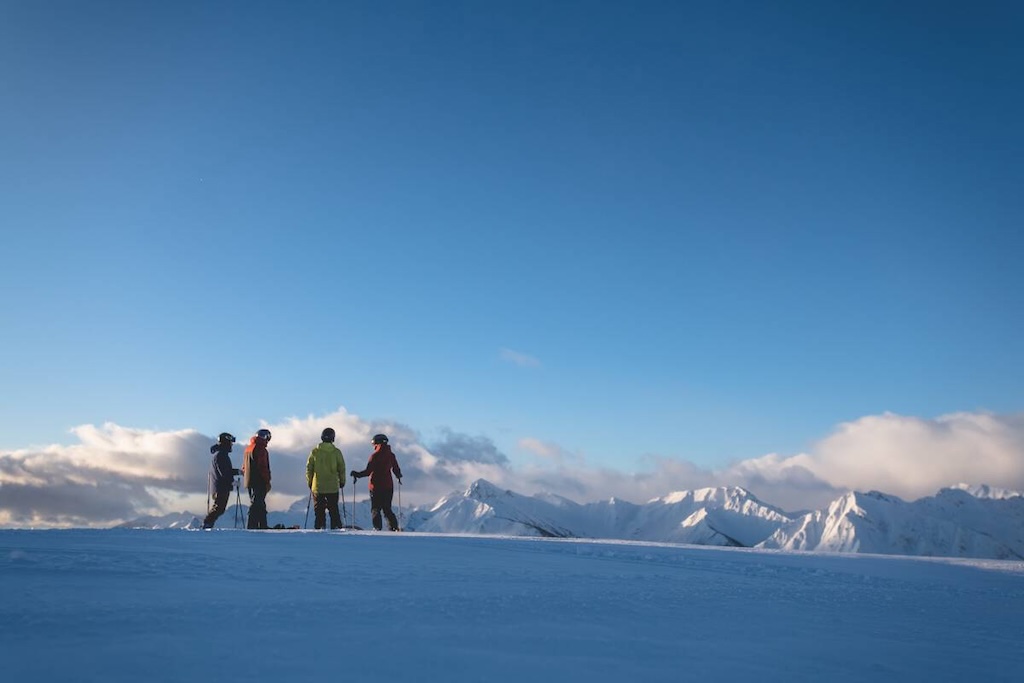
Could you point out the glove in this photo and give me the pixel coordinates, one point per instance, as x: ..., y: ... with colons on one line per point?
x: 353, y: 474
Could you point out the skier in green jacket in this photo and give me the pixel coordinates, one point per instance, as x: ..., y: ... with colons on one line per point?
x: 325, y: 476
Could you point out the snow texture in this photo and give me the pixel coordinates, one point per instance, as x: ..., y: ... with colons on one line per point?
x: 127, y: 605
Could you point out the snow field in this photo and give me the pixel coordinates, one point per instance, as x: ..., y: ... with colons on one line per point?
x: 174, y: 605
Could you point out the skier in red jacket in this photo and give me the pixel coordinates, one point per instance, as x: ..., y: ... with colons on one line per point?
x: 382, y: 488
x: 256, y: 474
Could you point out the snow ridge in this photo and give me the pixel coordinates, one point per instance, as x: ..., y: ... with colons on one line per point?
x: 976, y: 522
x: 960, y: 521
x: 952, y: 523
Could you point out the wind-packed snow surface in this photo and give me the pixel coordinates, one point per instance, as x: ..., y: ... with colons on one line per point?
x: 180, y: 605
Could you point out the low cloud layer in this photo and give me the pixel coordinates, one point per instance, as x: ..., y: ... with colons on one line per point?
x: 113, y: 473
x: 914, y: 457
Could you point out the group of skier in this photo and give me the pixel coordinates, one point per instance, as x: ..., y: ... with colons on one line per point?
x: 325, y: 477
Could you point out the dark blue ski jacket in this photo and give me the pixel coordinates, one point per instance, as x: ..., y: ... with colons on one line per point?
x: 221, y: 471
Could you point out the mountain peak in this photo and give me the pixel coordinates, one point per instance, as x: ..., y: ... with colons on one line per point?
x: 879, y: 495
x: 711, y: 493
x: 985, y: 491
x: 481, y: 489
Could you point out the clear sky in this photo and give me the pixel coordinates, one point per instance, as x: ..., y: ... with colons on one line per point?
x: 697, y: 230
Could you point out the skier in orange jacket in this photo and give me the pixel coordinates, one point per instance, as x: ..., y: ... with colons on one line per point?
x: 256, y: 475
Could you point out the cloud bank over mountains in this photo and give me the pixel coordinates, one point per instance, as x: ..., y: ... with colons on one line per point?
x: 113, y: 473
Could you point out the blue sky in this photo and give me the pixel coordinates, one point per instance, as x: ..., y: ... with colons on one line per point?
x: 706, y: 231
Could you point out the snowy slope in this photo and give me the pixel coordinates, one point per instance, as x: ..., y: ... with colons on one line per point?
x: 131, y: 606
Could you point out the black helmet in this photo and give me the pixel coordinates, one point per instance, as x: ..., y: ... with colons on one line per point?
x: 225, y: 438
x: 379, y: 438
x: 327, y: 435
x: 264, y: 434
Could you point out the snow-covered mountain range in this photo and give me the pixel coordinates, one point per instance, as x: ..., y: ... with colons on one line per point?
x: 961, y: 521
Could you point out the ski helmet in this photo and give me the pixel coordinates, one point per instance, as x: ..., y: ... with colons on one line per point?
x: 226, y: 438
x: 379, y: 438
x: 264, y: 434
x: 327, y: 435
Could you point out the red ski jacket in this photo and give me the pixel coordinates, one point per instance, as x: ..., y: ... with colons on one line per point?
x: 381, y: 464
x: 256, y: 464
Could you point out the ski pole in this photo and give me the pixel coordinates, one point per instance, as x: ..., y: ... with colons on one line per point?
x: 344, y: 512
x: 308, y: 501
x: 353, y: 502
x: 399, y: 503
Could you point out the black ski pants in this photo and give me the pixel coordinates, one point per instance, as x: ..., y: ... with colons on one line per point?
x: 220, y: 504
x: 324, y: 504
x: 380, y: 501
x: 257, y: 508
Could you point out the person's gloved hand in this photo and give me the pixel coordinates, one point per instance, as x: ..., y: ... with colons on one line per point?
x: 353, y: 474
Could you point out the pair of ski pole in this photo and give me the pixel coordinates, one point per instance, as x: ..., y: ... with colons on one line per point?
x: 401, y: 519
x: 239, y: 513
x: 240, y: 520
x: 305, y: 524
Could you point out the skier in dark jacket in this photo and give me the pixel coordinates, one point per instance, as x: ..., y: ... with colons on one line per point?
x: 222, y: 476
x: 256, y: 474
x: 382, y: 488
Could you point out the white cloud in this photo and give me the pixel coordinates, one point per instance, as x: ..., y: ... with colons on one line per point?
x: 913, y: 457
x: 115, y: 473
x: 521, y: 359
x: 909, y: 457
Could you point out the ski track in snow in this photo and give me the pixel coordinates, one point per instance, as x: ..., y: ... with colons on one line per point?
x: 172, y: 605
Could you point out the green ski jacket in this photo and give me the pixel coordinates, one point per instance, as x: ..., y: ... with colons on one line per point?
x: 325, y: 469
